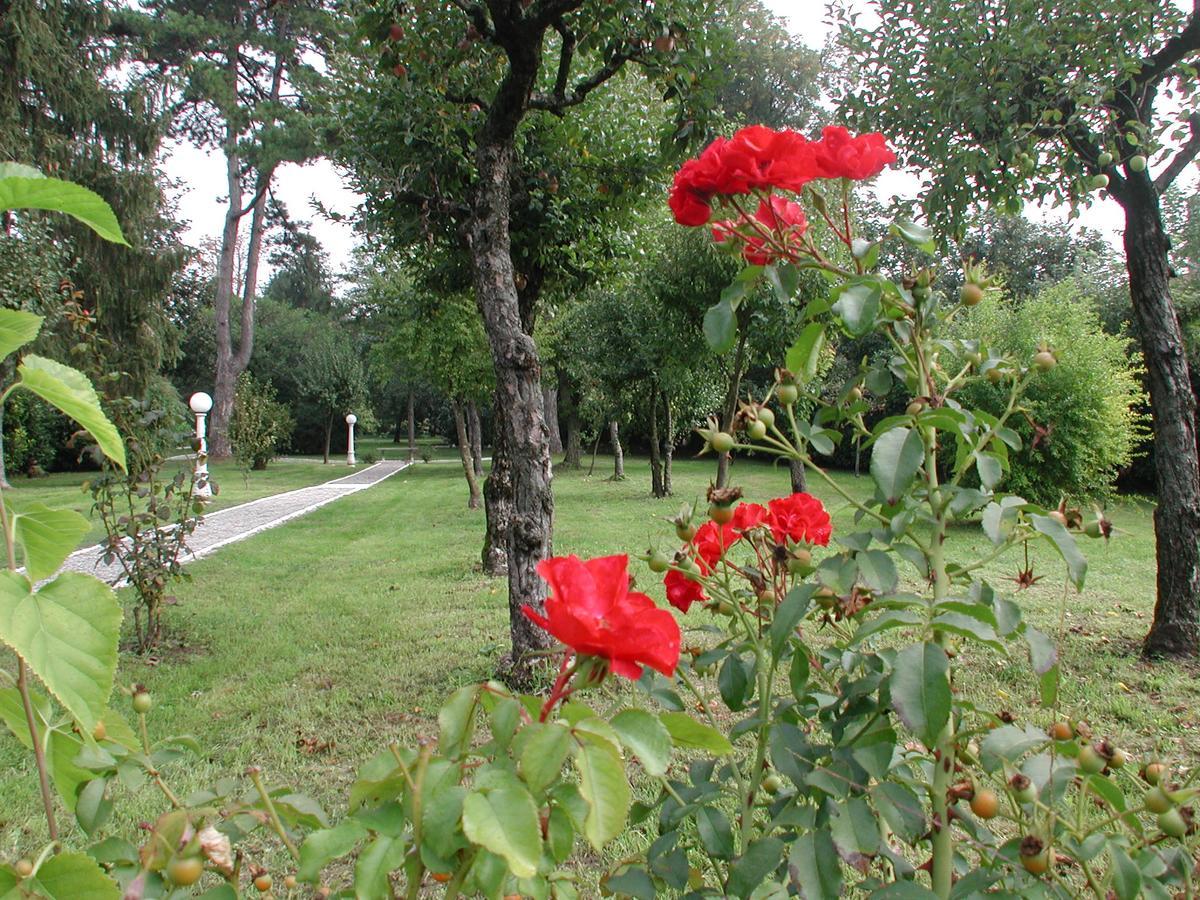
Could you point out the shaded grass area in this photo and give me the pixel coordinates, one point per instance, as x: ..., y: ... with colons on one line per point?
x: 306, y: 649
x: 235, y: 485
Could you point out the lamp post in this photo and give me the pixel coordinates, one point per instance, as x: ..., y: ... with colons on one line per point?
x: 350, y: 420
x: 200, y: 404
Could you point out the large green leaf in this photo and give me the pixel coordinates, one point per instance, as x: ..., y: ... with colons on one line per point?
x: 857, y: 306
x: 804, y: 356
x: 720, y: 326
x: 55, y: 195
x: 62, y: 747
x: 855, y: 832
x: 1064, y: 542
x: 647, y: 737
x: 67, y: 632
x: 72, y: 876
x: 603, y: 785
x: 322, y: 847
x: 920, y: 686
x: 814, y: 866
x: 544, y: 749
x: 17, y: 328
x: 47, y: 537
x: 895, y: 459
x: 505, y: 821
x: 377, y: 860
x: 688, y: 733
x: 69, y: 390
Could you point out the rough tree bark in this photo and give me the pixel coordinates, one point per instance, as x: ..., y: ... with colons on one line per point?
x: 798, y: 477
x: 614, y: 438
x: 729, y: 408
x: 476, y: 432
x: 550, y: 401
x: 497, y: 504
x: 656, y: 472
x: 464, y: 453
x: 412, y: 429
x: 1176, y: 627
x: 668, y: 444
x: 231, y: 363
x: 572, y: 444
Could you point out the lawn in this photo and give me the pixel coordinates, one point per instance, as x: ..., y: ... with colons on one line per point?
x: 306, y: 648
x: 234, y: 483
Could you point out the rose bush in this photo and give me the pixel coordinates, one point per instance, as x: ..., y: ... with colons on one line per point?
x: 807, y: 738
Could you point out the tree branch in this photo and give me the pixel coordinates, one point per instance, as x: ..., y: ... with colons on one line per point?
x: 1172, y: 52
x: 560, y: 100
x: 478, y: 17
x: 565, y: 56
x: 1183, y: 157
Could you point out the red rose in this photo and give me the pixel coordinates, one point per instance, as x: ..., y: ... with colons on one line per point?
x: 592, y: 610
x: 682, y: 591
x: 838, y: 155
x: 748, y: 516
x: 800, y: 517
x: 711, y: 542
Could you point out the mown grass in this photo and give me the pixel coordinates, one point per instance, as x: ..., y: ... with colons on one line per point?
x: 305, y: 649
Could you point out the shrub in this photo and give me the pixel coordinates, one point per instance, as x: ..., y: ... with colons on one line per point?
x: 1082, y: 420
x: 260, y: 423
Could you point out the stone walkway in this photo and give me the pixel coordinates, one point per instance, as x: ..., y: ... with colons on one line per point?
x: 225, y: 526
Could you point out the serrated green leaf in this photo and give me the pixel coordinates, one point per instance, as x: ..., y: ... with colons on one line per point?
x: 686, y: 732
x: 895, y: 459
x: 804, y: 356
x: 813, y: 870
x: 377, y: 860
x: 47, y: 537
x: 1008, y: 743
x: 544, y: 749
x: 456, y: 721
x: 17, y: 328
x: 877, y: 571
x: 762, y: 857
x: 720, y: 326
x: 67, y: 633
x: 857, y: 306
x: 603, y: 785
x: 646, y: 736
x: 920, y: 687
x: 56, y: 195
x: 322, y: 847
x: 916, y: 235
x: 72, y: 876
x: 69, y: 391
x: 1064, y: 542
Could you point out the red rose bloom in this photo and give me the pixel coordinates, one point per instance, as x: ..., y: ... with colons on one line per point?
x: 747, y: 516
x: 711, y: 542
x: 592, y: 610
x: 682, y: 591
x: 838, y: 155
x: 800, y: 517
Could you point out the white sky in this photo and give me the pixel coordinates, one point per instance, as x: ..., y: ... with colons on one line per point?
x: 201, y: 198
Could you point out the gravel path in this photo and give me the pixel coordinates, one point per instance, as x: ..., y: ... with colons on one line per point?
x: 225, y: 526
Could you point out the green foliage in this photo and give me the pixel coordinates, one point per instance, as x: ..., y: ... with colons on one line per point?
x: 261, y: 424
x: 1085, y: 416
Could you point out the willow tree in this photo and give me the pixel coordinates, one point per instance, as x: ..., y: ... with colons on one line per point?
x: 1055, y: 102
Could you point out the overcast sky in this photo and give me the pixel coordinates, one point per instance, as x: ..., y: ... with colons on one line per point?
x: 201, y: 198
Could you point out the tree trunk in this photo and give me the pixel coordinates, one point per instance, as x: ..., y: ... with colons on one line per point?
x: 1176, y: 627
x: 799, y: 478
x: 550, y: 402
x: 497, y: 504
x: 476, y: 438
x: 614, y: 438
x: 656, y: 479
x: 230, y: 364
x: 328, y: 435
x: 573, y: 446
x: 668, y: 445
x: 519, y: 409
x: 595, y: 450
x: 464, y: 452
x: 412, y: 430
x: 730, y: 408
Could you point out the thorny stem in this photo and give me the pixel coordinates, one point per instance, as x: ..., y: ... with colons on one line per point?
x: 39, y: 751
x: 418, y: 873
x: 276, y: 824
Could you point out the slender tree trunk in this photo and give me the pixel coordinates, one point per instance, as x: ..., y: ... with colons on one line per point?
x: 668, y: 444
x: 464, y: 452
x: 595, y: 450
x: 550, y: 401
x: 476, y: 438
x: 519, y: 409
x: 572, y: 445
x: 328, y: 436
x: 497, y: 503
x: 730, y: 408
x: 799, y: 479
x: 231, y: 364
x: 614, y: 438
x: 656, y: 474
x: 1176, y: 627
x: 412, y: 430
